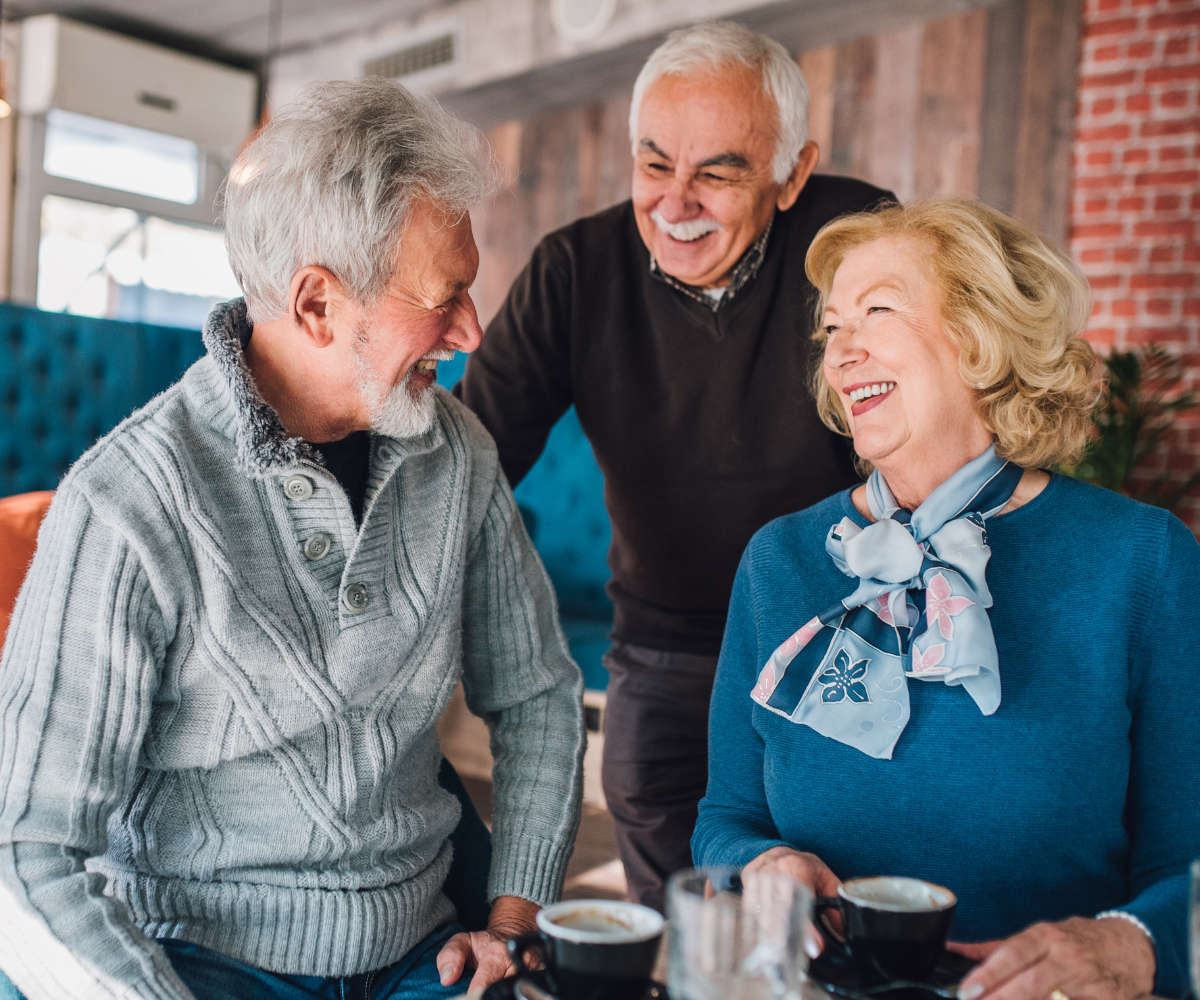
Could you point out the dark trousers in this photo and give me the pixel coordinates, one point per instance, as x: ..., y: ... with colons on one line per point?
x: 655, y: 766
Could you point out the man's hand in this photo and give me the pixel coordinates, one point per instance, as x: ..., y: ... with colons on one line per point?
x: 486, y: 951
x: 1107, y: 959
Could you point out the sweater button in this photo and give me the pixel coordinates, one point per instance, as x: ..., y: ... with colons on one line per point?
x: 297, y: 488
x: 355, y: 597
x: 317, y: 547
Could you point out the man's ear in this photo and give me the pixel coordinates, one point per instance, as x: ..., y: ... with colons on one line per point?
x: 314, y: 299
x: 810, y: 155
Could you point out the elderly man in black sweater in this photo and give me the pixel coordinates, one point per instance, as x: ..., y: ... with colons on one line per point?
x: 679, y: 324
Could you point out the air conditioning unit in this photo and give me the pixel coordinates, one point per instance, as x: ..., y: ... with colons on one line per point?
x: 75, y: 67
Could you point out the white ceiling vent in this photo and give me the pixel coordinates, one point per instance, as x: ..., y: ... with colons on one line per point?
x: 581, y: 20
x: 411, y: 60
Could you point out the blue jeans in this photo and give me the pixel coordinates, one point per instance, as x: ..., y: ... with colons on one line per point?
x: 213, y: 976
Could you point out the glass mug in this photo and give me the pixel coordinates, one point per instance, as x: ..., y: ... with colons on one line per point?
x: 737, y: 936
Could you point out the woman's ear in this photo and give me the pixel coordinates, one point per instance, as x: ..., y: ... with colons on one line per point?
x: 313, y: 299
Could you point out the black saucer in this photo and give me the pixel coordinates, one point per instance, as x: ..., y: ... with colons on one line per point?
x: 503, y: 990
x: 835, y: 974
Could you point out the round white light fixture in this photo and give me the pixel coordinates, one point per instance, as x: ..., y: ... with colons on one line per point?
x: 581, y: 20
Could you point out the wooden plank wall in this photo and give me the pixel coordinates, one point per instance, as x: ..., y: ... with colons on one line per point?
x: 979, y: 104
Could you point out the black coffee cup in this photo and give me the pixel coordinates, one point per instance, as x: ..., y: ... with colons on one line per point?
x: 893, y: 929
x: 593, y: 949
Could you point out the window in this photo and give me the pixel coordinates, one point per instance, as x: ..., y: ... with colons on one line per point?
x: 101, y: 260
x: 121, y: 157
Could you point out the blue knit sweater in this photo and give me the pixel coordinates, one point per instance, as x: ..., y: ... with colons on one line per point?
x: 1081, y: 793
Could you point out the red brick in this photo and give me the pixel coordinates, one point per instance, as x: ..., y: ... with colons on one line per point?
x: 1102, y: 281
x: 1156, y: 335
x: 1137, y: 103
x: 1106, y: 53
x: 1114, y: 133
x: 1191, y: 307
x: 1167, y: 203
x: 1180, y: 19
x: 1108, y: 4
x: 1124, y: 307
x: 1183, y: 227
x: 1093, y: 256
x: 1159, y: 307
x: 1196, y: 202
x: 1162, y: 280
x: 1098, y: 183
x: 1100, y: 230
x: 1136, y: 156
x: 1177, y: 127
x: 1167, y: 177
x: 1106, y: 106
x: 1127, y: 255
x: 1103, y: 336
x: 1122, y: 79
x: 1117, y: 26
x: 1171, y: 154
x: 1140, y: 50
x: 1162, y: 255
x: 1191, y: 255
x: 1165, y: 74
x: 1131, y: 204
x: 1177, y: 46
x: 1096, y: 205
x: 1174, y: 99
x: 1099, y: 159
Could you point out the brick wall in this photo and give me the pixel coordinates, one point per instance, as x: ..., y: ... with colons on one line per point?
x: 1137, y: 167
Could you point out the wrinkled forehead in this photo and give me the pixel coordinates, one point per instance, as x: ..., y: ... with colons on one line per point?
x: 713, y: 111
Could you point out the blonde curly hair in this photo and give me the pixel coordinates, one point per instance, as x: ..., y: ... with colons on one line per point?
x: 1015, y: 307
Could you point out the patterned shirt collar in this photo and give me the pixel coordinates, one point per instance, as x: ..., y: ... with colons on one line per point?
x: 742, y: 272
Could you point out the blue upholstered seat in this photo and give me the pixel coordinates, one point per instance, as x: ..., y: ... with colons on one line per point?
x: 67, y: 380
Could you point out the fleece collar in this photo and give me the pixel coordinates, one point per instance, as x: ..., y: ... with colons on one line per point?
x: 264, y: 447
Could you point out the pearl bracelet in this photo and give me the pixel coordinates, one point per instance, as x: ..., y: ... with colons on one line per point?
x: 1131, y: 918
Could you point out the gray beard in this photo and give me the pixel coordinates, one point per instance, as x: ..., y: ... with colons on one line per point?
x: 397, y: 411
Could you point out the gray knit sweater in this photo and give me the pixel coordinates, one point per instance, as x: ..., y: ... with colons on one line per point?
x: 201, y: 737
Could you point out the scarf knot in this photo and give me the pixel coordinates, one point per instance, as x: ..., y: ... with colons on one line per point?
x: 919, y: 611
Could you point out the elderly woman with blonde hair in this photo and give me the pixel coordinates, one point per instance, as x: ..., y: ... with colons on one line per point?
x: 863, y: 728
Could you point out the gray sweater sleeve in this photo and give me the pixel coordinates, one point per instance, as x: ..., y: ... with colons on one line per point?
x: 519, y: 677
x: 77, y: 680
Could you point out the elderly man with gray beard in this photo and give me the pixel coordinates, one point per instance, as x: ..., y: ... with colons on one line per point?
x: 678, y: 323
x: 252, y: 600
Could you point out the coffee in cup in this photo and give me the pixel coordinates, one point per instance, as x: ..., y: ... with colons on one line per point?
x: 892, y: 928
x: 593, y: 949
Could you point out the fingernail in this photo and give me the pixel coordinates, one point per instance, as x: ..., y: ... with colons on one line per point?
x: 972, y: 992
x: 812, y: 948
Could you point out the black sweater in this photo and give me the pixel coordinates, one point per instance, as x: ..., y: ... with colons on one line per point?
x: 701, y: 421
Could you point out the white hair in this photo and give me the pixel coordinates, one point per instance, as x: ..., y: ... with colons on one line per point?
x: 705, y: 47
x: 331, y: 181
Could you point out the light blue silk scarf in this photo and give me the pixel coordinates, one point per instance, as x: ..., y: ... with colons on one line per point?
x: 919, y: 611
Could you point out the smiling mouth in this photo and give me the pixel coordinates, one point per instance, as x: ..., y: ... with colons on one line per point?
x: 868, y: 396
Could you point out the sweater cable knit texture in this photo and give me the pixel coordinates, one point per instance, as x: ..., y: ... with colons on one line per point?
x: 199, y: 739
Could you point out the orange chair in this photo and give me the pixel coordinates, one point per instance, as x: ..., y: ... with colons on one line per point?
x: 20, y: 518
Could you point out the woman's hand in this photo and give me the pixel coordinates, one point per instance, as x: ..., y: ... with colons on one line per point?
x: 1109, y: 959
x: 806, y: 868
x: 487, y: 951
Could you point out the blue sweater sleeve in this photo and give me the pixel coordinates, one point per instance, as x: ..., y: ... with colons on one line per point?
x: 735, y: 825
x: 1163, y: 807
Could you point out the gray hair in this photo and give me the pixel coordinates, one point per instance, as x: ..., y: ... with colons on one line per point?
x: 704, y: 47
x: 331, y: 181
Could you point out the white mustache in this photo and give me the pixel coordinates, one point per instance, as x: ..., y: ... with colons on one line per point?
x: 688, y: 231
x: 438, y: 356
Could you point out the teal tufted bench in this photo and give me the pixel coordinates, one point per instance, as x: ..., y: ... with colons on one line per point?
x: 67, y: 380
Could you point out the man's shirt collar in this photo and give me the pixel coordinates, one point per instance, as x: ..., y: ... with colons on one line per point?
x: 742, y: 272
